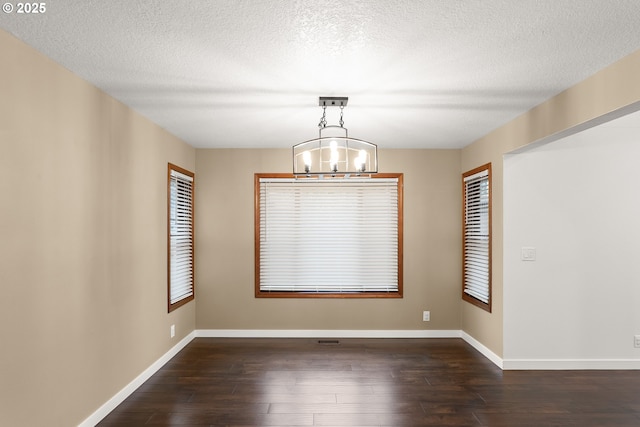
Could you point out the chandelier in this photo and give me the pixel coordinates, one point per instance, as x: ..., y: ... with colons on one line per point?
x: 334, y: 152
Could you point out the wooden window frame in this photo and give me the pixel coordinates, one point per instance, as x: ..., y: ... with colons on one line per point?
x: 172, y: 306
x: 465, y: 296
x: 293, y: 294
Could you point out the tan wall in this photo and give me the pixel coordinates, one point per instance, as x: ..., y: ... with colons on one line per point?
x: 83, y: 242
x: 225, y: 248
x: 614, y: 88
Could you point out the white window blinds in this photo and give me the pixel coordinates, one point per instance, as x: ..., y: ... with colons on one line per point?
x: 477, y: 236
x: 328, y: 236
x: 181, y: 284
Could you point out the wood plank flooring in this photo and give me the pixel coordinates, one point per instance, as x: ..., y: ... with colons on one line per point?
x: 369, y: 382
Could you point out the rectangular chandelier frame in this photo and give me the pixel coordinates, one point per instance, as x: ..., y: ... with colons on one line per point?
x: 335, y: 153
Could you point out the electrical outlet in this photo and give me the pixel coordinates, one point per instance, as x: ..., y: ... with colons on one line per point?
x: 173, y: 331
x: 426, y: 316
x: 636, y: 341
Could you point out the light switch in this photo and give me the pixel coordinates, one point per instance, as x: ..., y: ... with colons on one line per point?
x: 528, y: 253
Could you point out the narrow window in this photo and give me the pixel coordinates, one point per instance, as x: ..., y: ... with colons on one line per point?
x: 181, y: 287
x: 476, y: 287
x: 331, y: 237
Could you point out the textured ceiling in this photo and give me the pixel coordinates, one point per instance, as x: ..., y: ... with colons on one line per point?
x: 418, y: 74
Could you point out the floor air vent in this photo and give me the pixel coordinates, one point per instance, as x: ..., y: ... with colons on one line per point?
x: 329, y: 342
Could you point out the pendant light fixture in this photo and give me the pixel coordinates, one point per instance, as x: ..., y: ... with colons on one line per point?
x: 334, y: 152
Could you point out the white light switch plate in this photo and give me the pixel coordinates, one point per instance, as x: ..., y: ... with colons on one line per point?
x: 528, y: 253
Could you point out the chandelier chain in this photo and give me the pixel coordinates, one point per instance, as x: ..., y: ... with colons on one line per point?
x: 341, y: 116
x: 323, y: 119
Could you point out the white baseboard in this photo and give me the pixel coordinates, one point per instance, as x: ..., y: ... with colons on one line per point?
x: 497, y: 360
x: 571, y: 364
x: 112, y: 403
x: 324, y: 333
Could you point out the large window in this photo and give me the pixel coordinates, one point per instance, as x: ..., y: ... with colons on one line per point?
x: 331, y: 237
x: 181, y: 287
x: 476, y: 287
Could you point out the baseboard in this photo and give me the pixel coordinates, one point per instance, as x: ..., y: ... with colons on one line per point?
x: 571, y: 364
x: 324, y: 333
x: 112, y: 403
x: 497, y: 360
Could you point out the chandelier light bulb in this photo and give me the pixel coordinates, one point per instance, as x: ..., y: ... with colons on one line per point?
x: 334, y: 161
x: 361, y: 161
x: 306, y: 157
x: 335, y: 156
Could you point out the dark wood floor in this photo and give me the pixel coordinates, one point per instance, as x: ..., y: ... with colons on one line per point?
x: 369, y: 382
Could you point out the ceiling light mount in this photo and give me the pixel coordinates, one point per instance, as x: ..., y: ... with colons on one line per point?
x: 334, y: 152
x: 333, y: 101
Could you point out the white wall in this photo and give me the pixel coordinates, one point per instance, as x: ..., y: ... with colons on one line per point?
x: 577, y: 201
